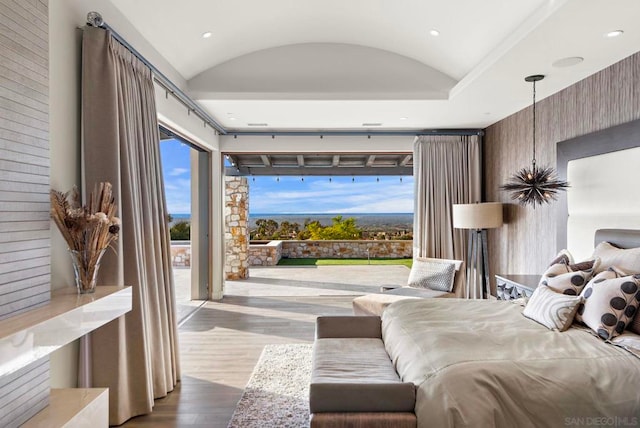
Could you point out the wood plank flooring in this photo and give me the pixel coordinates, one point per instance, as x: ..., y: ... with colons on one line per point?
x: 219, y: 347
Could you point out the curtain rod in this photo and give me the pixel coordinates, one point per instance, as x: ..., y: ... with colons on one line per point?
x: 95, y: 20
x: 387, y: 133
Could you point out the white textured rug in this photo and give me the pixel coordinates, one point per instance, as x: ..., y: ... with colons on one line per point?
x: 277, y: 394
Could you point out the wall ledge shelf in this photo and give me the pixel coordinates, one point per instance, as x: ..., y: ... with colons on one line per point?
x: 32, y: 335
x: 74, y: 407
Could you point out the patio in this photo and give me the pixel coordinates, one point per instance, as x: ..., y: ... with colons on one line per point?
x: 292, y: 281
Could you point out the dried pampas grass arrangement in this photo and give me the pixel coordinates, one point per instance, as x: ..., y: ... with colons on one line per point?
x: 88, y: 230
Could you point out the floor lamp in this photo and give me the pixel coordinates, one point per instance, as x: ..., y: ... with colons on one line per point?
x: 477, y: 218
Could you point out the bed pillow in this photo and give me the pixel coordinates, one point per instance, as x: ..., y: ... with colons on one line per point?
x: 568, y: 279
x: 626, y: 259
x: 564, y: 257
x: 436, y: 274
x: 553, y: 310
x: 610, y: 302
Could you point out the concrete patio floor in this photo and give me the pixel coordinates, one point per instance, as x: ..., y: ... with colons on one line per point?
x: 351, y: 280
x: 317, y: 280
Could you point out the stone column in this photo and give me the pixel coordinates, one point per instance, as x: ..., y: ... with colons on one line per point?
x: 236, y: 216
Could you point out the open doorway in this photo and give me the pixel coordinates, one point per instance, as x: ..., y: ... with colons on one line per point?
x: 316, y: 210
x: 185, y: 173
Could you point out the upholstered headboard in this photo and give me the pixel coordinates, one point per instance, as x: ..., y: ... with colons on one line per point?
x: 621, y: 238
x: 602, y: 170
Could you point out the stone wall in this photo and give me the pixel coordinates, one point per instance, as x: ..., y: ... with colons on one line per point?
x: 236, y: 213
x: 265, y: 254
x: 181, y: 254
x: 347, y: 249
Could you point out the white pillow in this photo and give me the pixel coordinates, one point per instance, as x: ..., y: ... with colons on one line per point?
x: 436, y: 274
x: 610, y: 302
x: 553, y: 310
x: 626, y: 259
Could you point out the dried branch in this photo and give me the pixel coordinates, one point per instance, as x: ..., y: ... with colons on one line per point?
x: 87, y: 229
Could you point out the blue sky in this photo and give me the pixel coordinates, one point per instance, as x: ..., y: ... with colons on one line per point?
x: 176, y: 168
x: 360, y: 194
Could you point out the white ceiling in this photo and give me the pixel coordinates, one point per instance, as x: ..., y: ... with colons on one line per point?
x: 335, y: 64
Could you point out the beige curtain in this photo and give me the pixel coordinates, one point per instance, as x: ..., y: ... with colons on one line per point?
x: 446, y: 171
x: 135, y: 356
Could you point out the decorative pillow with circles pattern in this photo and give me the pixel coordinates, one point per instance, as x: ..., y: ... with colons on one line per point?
x: 610, y: 302
x: 567, y: 278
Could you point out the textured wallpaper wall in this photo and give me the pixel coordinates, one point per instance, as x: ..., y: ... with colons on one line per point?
x: 527, y: 242
x: 25, y: 279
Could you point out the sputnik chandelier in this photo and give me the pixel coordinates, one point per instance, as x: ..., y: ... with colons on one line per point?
x: 534, y: 185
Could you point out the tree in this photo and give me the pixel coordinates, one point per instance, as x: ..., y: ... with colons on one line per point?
x: 181, y: 231
x: 339, y: 229
x: 288, y: 230
x: 304, y: 234
x: 265, y: 229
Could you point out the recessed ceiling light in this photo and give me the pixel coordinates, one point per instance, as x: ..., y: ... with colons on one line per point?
x: 372, y: 124
x: 232, y: 118
x: 404, y: 118
x: 434, y: 32
x: 207, y: 35
x: 257, y: 124
x: 614, y: 33
x: 568, y: 62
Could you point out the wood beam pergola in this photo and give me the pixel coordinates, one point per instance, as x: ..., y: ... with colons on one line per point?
x: 265, y: 160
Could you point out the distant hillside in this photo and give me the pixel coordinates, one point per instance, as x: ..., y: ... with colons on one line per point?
x: 378, y: 226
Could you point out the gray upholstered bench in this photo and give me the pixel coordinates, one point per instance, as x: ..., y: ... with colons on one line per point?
x: 353, y: 382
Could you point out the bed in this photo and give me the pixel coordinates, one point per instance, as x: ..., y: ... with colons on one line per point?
x: 482, y: 363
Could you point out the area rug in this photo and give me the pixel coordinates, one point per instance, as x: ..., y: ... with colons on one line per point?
x: 277, y: 394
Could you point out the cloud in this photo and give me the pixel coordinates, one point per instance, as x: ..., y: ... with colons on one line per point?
x: 178, y: 193
x: 178, y: 171
x: 341, y: 195
x: 177, y: 179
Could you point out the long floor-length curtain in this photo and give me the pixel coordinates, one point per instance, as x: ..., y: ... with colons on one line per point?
x: 135, y: 356
x: 446, y: 171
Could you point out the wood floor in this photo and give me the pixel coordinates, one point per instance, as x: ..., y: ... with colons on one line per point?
x: 219, y: 347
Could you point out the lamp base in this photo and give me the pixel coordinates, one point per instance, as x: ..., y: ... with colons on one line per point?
x: 478, y: 285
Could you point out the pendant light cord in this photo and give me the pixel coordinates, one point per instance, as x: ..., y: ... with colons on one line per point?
x: 534, y: 125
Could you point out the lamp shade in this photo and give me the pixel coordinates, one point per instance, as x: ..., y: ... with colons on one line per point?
x: 486, y: 215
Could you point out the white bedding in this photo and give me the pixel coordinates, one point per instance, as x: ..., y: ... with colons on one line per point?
x: 483, y: 364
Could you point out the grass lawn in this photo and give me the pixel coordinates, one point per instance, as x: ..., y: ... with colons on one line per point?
x: 328, y: 262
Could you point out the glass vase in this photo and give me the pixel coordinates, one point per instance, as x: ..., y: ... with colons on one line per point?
x: 85, y: 269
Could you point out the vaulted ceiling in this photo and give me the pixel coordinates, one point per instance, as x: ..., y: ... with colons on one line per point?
x: 362, y: 64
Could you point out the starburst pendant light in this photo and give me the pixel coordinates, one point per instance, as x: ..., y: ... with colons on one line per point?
x: 534, y: 185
